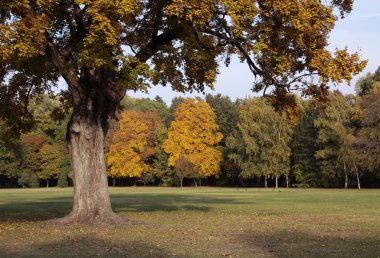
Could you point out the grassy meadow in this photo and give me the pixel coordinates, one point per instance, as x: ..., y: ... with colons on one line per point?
x: 197, y: 222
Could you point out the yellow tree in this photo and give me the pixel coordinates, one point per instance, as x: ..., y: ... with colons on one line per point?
x: 133, y: 145
x: 194, y: 134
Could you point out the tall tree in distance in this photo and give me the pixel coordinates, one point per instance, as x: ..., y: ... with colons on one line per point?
x: 365, y: 84
x: 335, y: 139
x: 261, y: 143
x: 304, y: 145
x: 195, y: 135
x: 133, y: 145
x: 226, y: 112
x: 369, y: 134
x: 84, y: 43
x: 147, y: 105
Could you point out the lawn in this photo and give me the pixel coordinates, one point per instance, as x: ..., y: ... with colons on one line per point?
x: 197, y: 222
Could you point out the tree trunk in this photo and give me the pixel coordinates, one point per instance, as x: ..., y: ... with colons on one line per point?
x: 113, y: 182
x: 195, y: 182
x: 345, y: 176
x: 357, y: 177
x: 47, y: 183
x: 287, y: 181
x: 276, y: 182
x: 266, y: 182
x: 85, y: 135
x: 181, y: 179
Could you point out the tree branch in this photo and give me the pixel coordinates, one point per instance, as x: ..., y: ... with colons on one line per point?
x: 155, y: 45
x: 80, y: 32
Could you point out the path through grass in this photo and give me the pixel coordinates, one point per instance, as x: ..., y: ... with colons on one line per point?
x: 198, y: 222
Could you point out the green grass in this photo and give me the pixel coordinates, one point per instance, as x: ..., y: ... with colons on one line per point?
x: 202, y: 222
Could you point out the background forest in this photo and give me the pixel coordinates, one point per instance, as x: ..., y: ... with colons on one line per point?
x: 213, y: 141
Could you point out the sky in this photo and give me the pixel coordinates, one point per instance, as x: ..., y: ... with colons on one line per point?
x: 359, y: 31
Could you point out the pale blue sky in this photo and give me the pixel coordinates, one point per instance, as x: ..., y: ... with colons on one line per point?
x: 359, y: 31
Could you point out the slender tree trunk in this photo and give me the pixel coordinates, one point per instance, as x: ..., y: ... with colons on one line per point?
x: 266, y: 182
x: 287, y: 181
x: 357, y: 176
x: 276, y: 182
x: 181, y: 179
x: 113, y: 182
x: 196, y: 182
x: 345, y: 176
x: 47, y: 183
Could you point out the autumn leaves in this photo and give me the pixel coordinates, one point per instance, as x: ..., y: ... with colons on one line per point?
x: 193, y: 136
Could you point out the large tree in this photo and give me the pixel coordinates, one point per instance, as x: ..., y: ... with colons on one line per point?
x: 101, y: 48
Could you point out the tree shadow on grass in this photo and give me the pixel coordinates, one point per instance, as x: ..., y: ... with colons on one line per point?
x: 167, y: 203
x: 55, y: 207
x: 86, y: 246
x: 292, y: 243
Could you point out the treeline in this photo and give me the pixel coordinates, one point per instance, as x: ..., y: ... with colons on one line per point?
x: 215, y: 141
x: 39, y: 157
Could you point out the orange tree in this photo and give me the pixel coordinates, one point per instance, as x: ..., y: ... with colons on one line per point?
x: 133, y: 145
x: 101, y: 48
x: 194, y: 135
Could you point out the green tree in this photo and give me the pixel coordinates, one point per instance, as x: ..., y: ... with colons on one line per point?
x: 147, y: 105
x: 226, y: 112
x: 304, y: 146
x: 336, y: 140
x: 11, y: 156
x: 365, y: 84
x: 369, y: 134
x: 52, y: 158
x: 160, y: 163
x: 261, y: 143
x: 84, y: 43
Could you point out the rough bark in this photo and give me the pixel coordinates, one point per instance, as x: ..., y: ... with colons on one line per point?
x: 85, y: 136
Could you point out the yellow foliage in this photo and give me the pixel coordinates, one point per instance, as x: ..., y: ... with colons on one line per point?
x: 194, y: 134
x: 132, y: 144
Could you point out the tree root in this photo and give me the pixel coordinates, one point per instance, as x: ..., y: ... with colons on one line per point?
x: 91, y: 219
